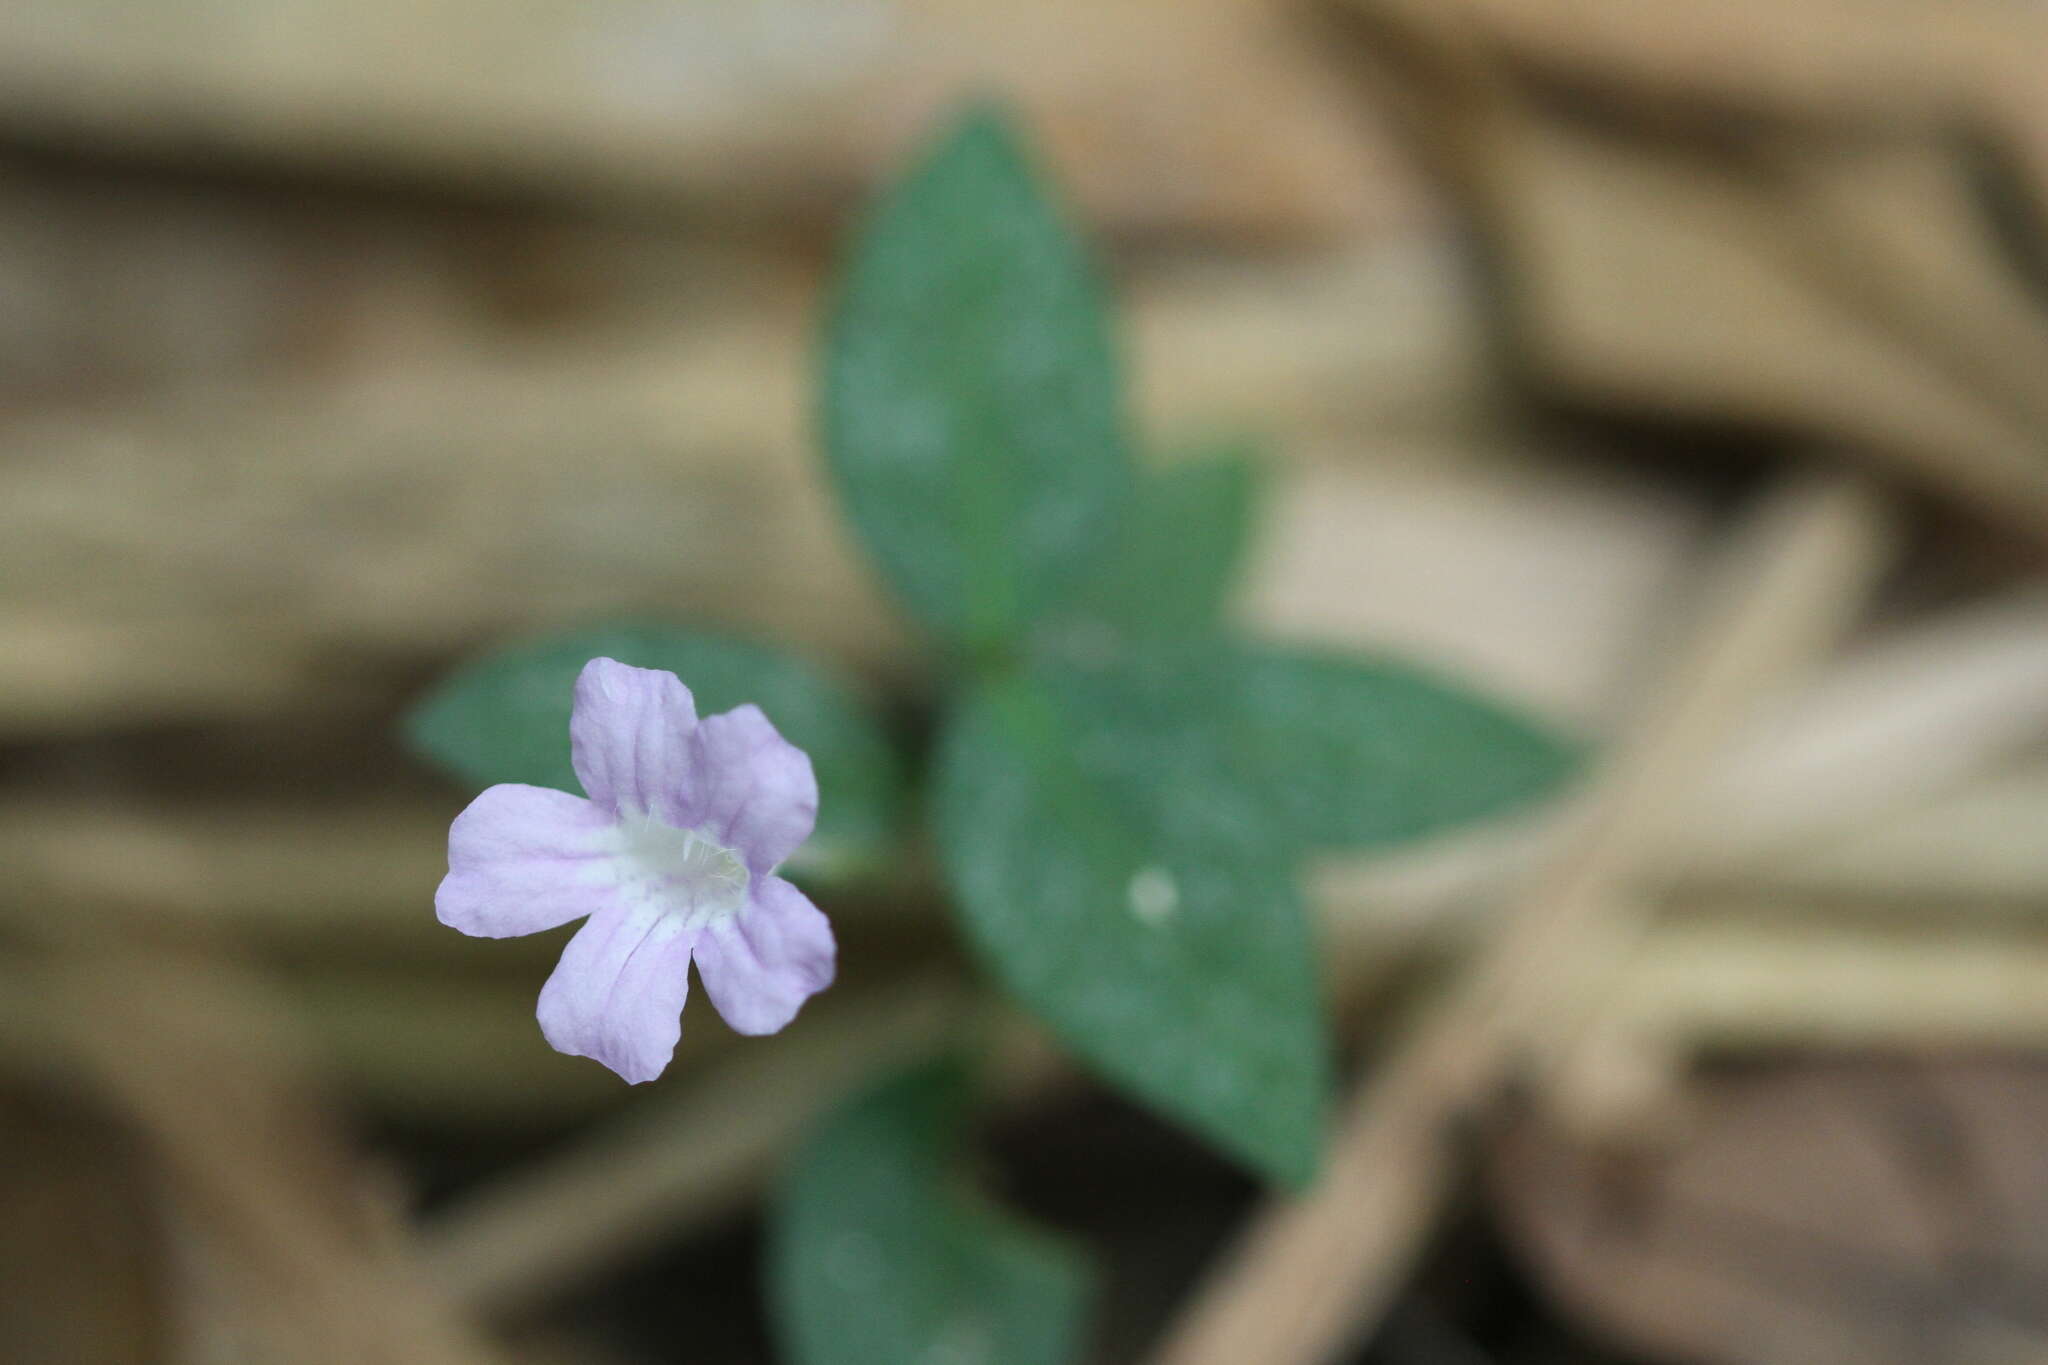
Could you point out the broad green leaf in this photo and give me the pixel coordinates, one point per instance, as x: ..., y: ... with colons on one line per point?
x: 1356, y: 752
x: 879, y: 1255
x: 1327, y: 751
x: 505, y: 718
x: 1172, y: 570
x: 1120, y: 837
x: 1122, y: 890
x: 972, y: 417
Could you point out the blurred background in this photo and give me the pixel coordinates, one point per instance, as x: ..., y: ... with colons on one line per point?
x: 338, y: 342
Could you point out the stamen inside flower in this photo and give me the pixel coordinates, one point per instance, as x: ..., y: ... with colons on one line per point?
x: 679, y: 871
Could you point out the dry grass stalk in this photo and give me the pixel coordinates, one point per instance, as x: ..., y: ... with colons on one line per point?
x: 679, y: 1165
x: 675, y: 1164
x: 288, y: 1253
x: 1312, y: 1269
x: 312, y: 549
x: 1198, y: 117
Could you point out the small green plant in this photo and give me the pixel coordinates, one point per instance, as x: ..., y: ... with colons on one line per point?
x: 1121, y: 785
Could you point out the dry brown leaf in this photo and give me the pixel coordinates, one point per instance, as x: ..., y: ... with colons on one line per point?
x: 80, y: 1258
x: 283, y: 1243
x: 1677, y: 239
x: 1843, y: 1212
x: 1851, y: 60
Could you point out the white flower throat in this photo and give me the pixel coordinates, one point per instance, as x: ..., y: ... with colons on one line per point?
x: 683, y: 872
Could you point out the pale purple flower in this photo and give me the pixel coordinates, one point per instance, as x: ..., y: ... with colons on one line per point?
x: 673, y: 857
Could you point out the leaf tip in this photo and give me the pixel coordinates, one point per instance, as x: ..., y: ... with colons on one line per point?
x: 984, y: 120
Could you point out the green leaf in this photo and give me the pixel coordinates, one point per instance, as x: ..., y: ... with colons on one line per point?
x: 505, y: 718
x: 972, y: 416
x: 1182, y: 547
x: 1325, y: 751
x: 1120, y: 888
x: 878, y: 1255
x: 1358, y: 753
x: 1121, y: 836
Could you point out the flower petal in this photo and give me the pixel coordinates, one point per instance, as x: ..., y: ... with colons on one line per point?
x: 762, y: 964
x: 629, y: 739
x: 522, y: 859
x: 617, y: 994
x: 755, y: 792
